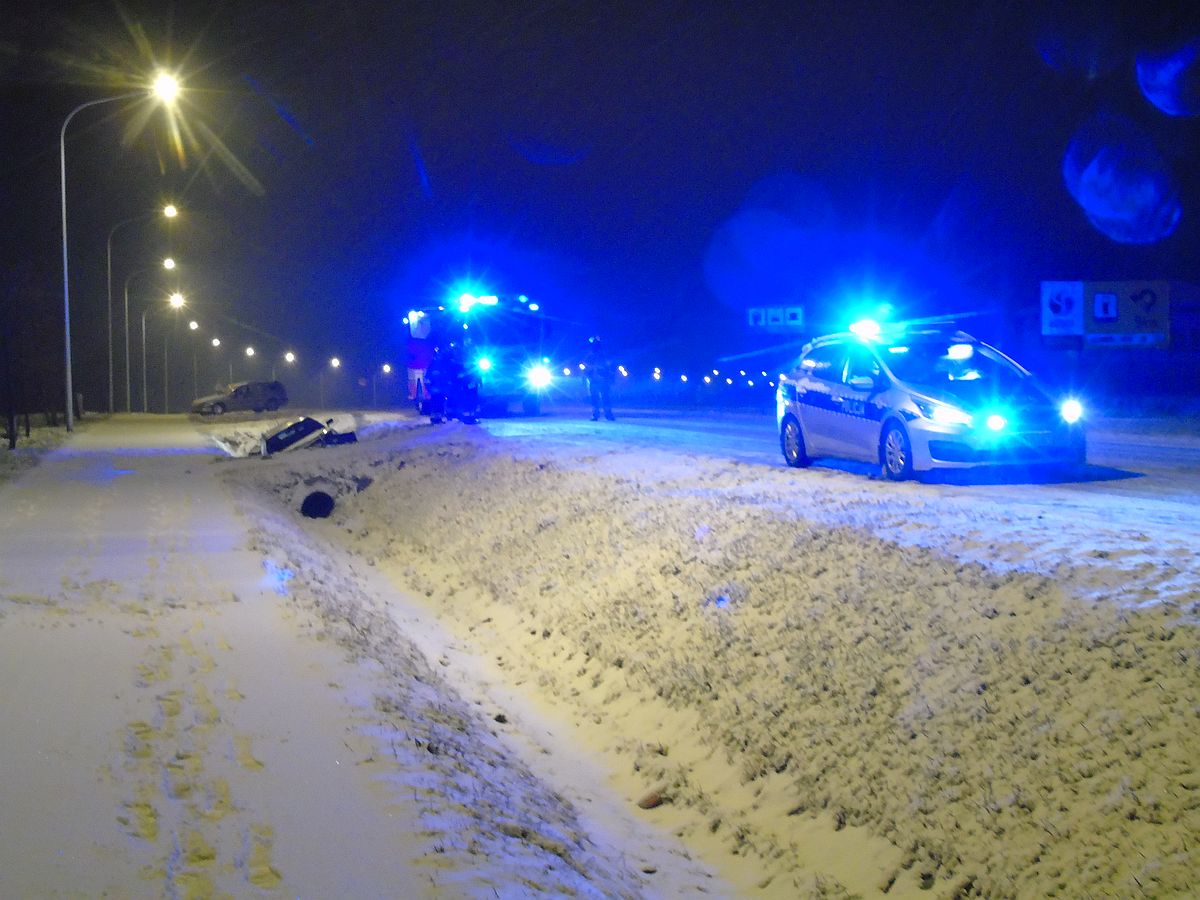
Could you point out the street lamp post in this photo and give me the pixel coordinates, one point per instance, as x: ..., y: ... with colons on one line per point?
x: 216, y: 342
x: 168, y: 263
x: 194, y: 326
x: 386, y: 369
x: 169, y: 211
x: 165, y: 87
x: 176, y: 301
x: 334, y: 364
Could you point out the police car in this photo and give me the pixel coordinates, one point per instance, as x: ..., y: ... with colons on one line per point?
x: 913, y: 400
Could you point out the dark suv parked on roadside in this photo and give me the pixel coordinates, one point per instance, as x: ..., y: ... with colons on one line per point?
x: 245, y: 395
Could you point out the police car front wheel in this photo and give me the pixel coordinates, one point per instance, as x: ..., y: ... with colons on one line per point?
x: 896, y: 452
x: 791, y: 442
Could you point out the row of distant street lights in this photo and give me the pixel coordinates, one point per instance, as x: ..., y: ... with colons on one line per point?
x: 165, y: 89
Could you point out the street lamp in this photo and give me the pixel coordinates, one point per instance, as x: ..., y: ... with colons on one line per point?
x: 194, y: 326
x: 386, y: 369
x: 168, y: 263
x: 169, y: 211
x: 335, y: 364
x: 289, y: 358
x: 175, y: 301
x: 165, y: 88
x: 216, y: 342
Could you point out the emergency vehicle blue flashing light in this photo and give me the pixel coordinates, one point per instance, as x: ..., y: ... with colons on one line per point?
x: 539, y: 377
x: 866, y: 328
x: 1071, y: 411
x: 483, y: 364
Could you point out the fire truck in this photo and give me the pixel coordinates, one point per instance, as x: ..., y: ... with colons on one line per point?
x: 503, y: 342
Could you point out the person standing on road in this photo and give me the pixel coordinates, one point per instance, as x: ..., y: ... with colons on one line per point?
x: 600, y: 375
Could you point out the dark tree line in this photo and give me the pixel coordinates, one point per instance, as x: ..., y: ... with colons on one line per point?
x: 30, y: 350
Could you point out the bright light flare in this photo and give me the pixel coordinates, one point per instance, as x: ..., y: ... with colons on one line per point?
x: 216, y: 342
x: 289, y: 357
x: 166, y: 87
x: 387, y: 368
x: 168, y: 263
x: 193, y: 325
x: 865, y: 328
x: 960, y: 351
x: 996, y: 422
x: 249, y: 351
x: 170, y: 211
x: 176, y: 300
x: 539, y: 377
x: 483, y: 364
x: 1071, y: 411
x: 335, y: 363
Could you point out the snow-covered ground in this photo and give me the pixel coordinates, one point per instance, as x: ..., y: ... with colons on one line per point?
x: 178, y: 723
x: 607, y: 659
x: 834, y: 685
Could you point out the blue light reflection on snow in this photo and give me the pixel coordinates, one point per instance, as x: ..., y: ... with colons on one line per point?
x: 99, y: 473
x: 277, y: 577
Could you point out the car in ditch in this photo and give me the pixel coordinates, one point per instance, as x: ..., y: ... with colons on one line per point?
x: 253, y: 396
x: 912, y: 400
x: 304, y: 432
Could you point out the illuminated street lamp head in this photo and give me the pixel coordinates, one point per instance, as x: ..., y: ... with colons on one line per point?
x: 193, y: 325
x: 166, y: 87
x: 170, y: 211
x: 387, y: 369
x: 216, y: 342
x: 168, y: 263
x: 289, y: 357
x: 249, y: 351
x: 176, y: 300
x: 335, y: 362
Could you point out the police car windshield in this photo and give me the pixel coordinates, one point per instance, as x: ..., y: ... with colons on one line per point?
x: 944, y: 362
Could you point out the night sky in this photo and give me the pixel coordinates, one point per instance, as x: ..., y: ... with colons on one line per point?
x: 647, y: 170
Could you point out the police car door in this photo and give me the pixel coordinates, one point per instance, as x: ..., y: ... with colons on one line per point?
x: 856, y: 432
x: 817, y: 406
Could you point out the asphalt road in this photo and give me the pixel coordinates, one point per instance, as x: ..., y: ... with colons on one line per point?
x: 1152, y: 457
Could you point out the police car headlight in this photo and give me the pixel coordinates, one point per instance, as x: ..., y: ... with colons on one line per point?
x: 943, y: 413
x: 539, y: 377
x: 1071, y: 411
